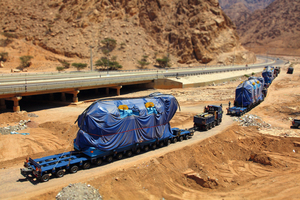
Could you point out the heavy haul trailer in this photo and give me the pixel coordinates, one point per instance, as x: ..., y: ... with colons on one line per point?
x: 111, y: 129
x: 248, y: 94
x: 211, y: 117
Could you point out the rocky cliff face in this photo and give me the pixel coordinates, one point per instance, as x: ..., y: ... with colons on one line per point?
x: 192, y: 31
x: 276, y: 28
x: 240, y: 10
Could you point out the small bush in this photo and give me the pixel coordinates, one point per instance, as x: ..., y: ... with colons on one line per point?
x: 65, y: 64
x: 25, y: 62
x: 9, y: 35
x: 60, y: 68
x: 164, y: 62
x: 79, y: 66
x: 143, y: 62
x: 246, y: 75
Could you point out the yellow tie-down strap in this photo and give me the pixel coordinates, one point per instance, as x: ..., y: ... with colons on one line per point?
x: 123, y: 107
x: 149, y: 104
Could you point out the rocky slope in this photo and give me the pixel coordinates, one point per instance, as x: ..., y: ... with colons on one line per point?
x: 275, y: 29
x: 240, y: 10
x: 192, y: 31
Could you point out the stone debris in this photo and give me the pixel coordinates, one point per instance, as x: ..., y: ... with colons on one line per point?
x: 79, y: 191
x: 251, y: 120
x: 13, y: 129
x: 32, y: 115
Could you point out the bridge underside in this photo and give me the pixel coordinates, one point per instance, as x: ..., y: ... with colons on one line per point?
x: 148, y: 84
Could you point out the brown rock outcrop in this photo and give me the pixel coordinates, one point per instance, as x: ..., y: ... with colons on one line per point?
x: 192, y: 31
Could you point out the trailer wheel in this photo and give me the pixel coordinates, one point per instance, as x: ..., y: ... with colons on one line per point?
x: 213, y: 124
x: 168, y: 142
x: 174, y: 140
x: 129, y: 153
x: 180, y: 138
x: 161, y: 144
x: 74, y: 169
x: 209, y: 126
x: 119, y: 156
x: 146, y: 148
x: 86, y: 165
x: 99, y: 161
x: 153, y: 146
x: 45, y: 178
x: 186, y: 137
x: 109, y: 159
x: 206, y: 127
x: 60, y: 173
x: 138, y: 151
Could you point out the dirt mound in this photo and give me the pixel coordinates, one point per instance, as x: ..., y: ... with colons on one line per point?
x: 13, y: 117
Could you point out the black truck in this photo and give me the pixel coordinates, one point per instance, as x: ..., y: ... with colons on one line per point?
x: 211, y: 117
x: 296, y: 123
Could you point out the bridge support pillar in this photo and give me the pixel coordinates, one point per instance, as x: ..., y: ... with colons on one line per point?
x: 16, y: 100
x: 63, y: 96
x: 118, y: 88
x: 75, y: 97
x: 2, y: 104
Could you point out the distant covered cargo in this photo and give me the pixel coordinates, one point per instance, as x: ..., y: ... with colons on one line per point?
x: 249, y: 93
x: 268, y: 75
x: 114, y: 123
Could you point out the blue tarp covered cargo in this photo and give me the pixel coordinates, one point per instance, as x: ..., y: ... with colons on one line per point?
x: 244, y: 94
x: 268, y: 74
x: 114, y: 123
x: 259, y: 85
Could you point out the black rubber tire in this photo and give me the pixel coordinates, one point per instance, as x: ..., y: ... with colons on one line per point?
x: 99, y: 162
x: 206, y: 127
x: 138, y: 151
x: 86, y: 165
x: 45, y: 178
x: 60, y: 173
x: 146, y: 148
x: 129, y: 153
x: 213, y: 124
x: 109, y: 159
x: 119, y: 156
x: 186, y: 137
x: 74, y: 169
x: 168, y: 142
x: 209, y: 126
x: 180, y: 138
x: 153, y: 146
x: 174, y: 140
x: 161, y: 144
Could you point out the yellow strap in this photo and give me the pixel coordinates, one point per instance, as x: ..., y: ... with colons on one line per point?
x: 149, y: 104
x: 123, y: 107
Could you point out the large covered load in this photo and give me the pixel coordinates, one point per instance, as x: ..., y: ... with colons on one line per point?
x: 248, y: 93
x: 268, y: 74
x: 113, y: 124
x: 258, y: 84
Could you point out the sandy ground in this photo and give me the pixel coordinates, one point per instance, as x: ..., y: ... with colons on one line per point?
x: 237, y: 163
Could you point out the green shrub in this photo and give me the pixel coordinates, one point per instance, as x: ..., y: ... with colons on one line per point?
x: 79, y: 66
x: 25, y: 62
x: 65, y: 64
x: 164, y: 62
x: 60, y: 68
x: 143, y: 62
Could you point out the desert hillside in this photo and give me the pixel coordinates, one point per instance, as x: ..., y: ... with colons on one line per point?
x: 240, y: 10
x: 56, y: 30
x: 274, y: 30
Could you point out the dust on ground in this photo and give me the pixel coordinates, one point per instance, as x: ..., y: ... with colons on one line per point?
x: 241, y: 162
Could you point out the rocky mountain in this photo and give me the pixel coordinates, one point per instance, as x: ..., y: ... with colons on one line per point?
x: 191, y: 31
x: 275, y: 29
x: 239, y: 10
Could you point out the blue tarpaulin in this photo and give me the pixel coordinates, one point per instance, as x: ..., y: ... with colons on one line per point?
x: 113, y: 123
x: 268, y: 74
x: 244, y: 94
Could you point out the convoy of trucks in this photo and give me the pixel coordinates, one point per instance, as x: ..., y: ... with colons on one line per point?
x: 113, y: 128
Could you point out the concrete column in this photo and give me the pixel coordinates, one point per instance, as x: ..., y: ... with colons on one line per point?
x: 63, y: 96
x: 16, y: 100
x: 75, y: 98
x: 107, y: 91
x: 2, y: 104
x: 51, y: 96
x: 118, y: 88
